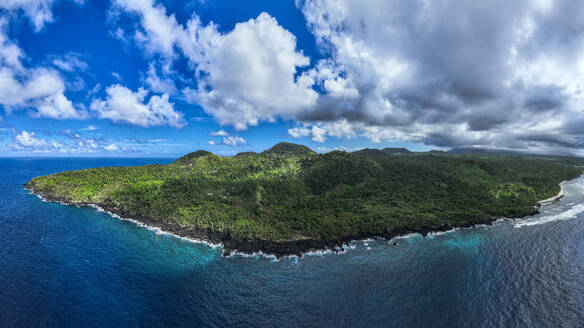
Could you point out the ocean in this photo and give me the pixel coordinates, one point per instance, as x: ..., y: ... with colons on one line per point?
x: 63, y: 266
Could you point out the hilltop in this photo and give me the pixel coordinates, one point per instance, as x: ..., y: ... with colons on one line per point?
x: 190, y: 157
x: 289, y: 199
x: 287, y: 148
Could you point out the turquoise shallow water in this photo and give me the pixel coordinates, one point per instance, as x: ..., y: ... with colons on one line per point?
x: 68, y: 266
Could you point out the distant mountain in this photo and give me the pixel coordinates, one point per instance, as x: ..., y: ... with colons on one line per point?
x: 485, y: 151
x: 437, y: 152
x: 390, y: 150
x: 382, y: 152
x: 370, y: 152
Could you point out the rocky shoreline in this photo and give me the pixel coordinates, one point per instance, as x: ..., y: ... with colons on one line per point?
x: 232, y: 245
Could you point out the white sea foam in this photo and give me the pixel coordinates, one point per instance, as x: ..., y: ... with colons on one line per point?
x: 295, y: 258
x: 440, y: 233
x: 236, y: 253
x: 569, y: 214
x: 157, y: 230
x: 336, y: 251
x: 346, y: 247
x: 318, y: 252
x: 407, y: 236
x: 43, y: 199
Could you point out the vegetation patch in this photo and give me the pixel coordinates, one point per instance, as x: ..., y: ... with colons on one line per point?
x: 290, y: 193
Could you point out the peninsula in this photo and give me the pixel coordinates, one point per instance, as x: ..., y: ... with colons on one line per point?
x: 289, y: 199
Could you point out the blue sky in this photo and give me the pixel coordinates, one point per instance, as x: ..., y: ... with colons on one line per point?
x: 163, y: 78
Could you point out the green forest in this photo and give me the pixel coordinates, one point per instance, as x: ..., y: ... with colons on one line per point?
x: 290, y: 192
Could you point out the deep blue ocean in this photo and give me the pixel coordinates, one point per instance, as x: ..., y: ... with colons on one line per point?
x: 63, y: 266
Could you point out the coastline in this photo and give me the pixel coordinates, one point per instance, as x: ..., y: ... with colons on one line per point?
x: 277, y: 249
x: 560, y: 195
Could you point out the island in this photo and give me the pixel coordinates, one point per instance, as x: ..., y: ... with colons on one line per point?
x: 288, y: 199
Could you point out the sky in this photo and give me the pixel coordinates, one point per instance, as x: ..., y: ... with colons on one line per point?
x: 164, y: 78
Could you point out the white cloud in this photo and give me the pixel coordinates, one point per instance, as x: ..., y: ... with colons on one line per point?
x: 89, y: 128
x: 315, y: 132
x: 157, y: 83
x: 122, y: 104
x: 319, y: 131
x: 244, y: 76
x: 38, y: 11
x: 88, y: 144
x: 94, y: 90
x: 340, y: 148
x: 10, y: 53
x: 220, y: 133
x: 249, y: 73
x: 340, y: 128
x: 299, y: 132
x: 111, y: 147
x: 41, y: 89
x: 234, y: 141
x: 29, y: 142
x: 211, y: 142
x: 56, y: 106
x: 318, y: 134
x: 159, y: 34
x: 117, y: 76
x: 70, y: 62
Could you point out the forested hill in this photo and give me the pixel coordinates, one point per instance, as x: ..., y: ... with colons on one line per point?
x: 289, y: 199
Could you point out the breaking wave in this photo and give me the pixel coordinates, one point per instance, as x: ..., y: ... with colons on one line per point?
x: 569, y: 214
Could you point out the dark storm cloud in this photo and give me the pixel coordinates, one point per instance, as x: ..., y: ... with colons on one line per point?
x: 543, y: 98
x: 560, y: 140
x: 493, y: 67
x: 575, y: 126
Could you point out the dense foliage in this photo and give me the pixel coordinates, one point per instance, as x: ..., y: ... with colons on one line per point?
x: 289, y: 192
